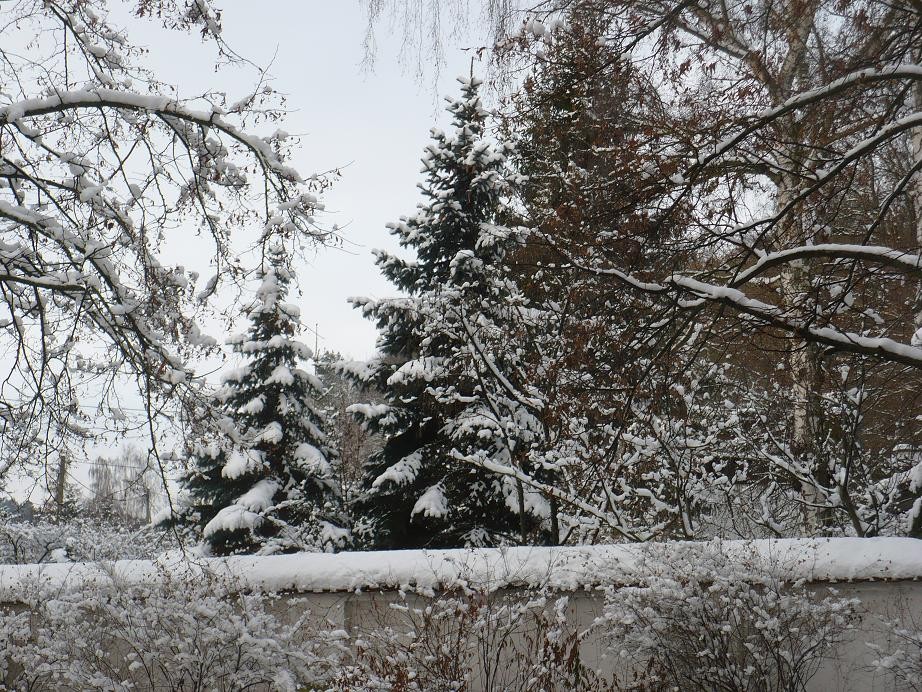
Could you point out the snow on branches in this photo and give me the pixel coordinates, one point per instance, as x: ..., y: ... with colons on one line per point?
x: 740, y: 219
x: 101, y: 167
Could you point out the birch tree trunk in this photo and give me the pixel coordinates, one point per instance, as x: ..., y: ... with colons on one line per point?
x: 915, y: 526
x: 916, y: 140
x: 797, y: 287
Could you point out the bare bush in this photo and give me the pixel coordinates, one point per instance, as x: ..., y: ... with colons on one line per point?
x: 184, y: 634
x: 902, y: 659
x: 703, y: 622
x: 471, y: 639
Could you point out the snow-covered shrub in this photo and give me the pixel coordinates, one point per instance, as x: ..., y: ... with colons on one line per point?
x: 79, y: 539
x: 902, y: 659
x: 470, y: 639
x: 701, y: 621
x: 183, y: 634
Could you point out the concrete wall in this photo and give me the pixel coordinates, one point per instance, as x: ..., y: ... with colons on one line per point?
x: 882, y: 604
x: 847, y: 670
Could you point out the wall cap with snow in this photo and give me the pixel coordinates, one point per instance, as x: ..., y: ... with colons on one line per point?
x: 561, y: 568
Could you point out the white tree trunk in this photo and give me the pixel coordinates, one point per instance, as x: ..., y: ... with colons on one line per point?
x: 916, y: 189
x: 796, y: 286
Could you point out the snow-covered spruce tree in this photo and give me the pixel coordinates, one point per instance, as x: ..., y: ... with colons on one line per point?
x: 273, y: 489
x: 451, y: 362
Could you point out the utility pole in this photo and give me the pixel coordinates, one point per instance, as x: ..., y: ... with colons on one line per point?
x: 60, y: 482
x: 147, y: 502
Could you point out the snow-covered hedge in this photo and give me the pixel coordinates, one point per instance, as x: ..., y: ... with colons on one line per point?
x: 80, y: 539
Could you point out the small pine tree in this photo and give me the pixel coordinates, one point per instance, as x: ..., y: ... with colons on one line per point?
x: 274, y: 489
x: 450, y: 368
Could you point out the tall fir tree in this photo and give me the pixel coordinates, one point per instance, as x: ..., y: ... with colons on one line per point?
x: 272, y: 488
x: 457, y: 419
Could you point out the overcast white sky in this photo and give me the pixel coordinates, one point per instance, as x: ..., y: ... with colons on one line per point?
x: 375, y: 124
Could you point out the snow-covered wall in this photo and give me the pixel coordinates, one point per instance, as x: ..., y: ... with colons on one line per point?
x: 563, y: 568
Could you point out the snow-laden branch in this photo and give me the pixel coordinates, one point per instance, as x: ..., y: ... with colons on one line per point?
x: 484, y: 357
x: 878, y: 347
x: 861, y: 78
x: 905, y: 262
x: 162, y: 106
x: 610, y: 519
x: 730, y: 295
x: 100, y: 166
